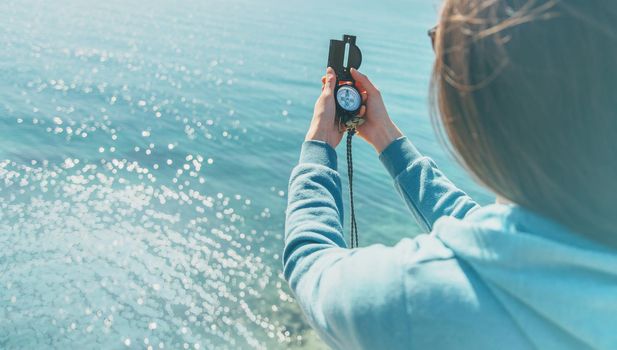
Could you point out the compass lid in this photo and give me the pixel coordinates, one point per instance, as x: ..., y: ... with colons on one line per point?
x: 336, y: 57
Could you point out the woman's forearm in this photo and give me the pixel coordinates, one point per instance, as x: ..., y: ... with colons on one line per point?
x: 425, y: 189
x: 315, y: 206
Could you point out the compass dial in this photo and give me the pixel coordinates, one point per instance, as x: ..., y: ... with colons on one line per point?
x: 348, y: 98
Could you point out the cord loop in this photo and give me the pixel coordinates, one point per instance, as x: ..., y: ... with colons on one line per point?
x: 353, y: 225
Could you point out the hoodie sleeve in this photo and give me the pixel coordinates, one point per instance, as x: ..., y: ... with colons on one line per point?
x: 424, y: 188
x: 347, y: 309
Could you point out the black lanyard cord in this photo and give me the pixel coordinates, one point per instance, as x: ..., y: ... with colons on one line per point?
x: 353, y: 226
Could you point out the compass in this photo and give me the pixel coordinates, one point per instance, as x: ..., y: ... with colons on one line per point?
x: 344, y: 55
x: 348, y: 98
x: 348, y: 103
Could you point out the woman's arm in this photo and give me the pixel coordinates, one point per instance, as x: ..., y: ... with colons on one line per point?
x: 424, y: 188
x: 354, y: 299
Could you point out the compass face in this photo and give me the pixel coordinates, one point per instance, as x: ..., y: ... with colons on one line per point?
x: 348, y: 98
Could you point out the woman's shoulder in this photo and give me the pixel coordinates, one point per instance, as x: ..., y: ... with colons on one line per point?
x: 447, y: 302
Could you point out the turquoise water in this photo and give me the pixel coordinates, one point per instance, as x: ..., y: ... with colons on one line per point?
x: 144, y: 155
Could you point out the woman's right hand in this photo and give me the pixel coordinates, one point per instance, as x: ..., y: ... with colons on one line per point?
x: 378, y: 129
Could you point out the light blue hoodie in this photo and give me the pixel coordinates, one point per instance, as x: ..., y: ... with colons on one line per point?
x: 494, y: 277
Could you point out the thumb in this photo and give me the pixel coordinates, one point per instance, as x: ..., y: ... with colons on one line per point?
x: 363, y: 80
x: 330, y: 82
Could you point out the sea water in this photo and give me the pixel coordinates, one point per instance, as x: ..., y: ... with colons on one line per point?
x: 145, y: 149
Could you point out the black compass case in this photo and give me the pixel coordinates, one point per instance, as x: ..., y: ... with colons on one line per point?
x: 336, y: 60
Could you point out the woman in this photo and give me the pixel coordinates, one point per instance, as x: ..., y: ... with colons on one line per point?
x: 527, y: 94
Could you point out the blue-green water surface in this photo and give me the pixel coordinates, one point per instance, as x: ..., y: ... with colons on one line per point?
x: 145, y: 148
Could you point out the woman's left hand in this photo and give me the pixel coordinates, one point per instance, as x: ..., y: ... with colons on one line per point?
x: 324, y: 126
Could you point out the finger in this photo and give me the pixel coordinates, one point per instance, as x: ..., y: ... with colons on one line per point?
x: 362, y: 112
x: 330, y: 79
x: 363, y: 80
x: 359, y: 86
x: 364, y: 95
x: 323, y: 79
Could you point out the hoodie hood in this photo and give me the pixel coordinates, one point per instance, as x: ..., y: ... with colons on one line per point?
x: 560, y: 288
